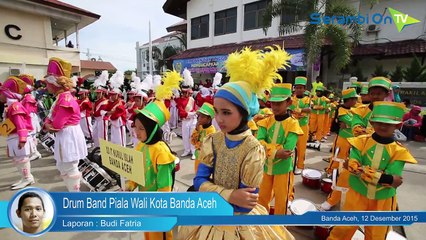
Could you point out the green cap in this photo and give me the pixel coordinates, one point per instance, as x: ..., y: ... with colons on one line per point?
x: 320, y: 88
x: 156, y: 111
x: 364, y: 90
x: 300, y: 81
x: 280, y: 92
x: 383, y: 82
x: 356, y: 84
x: 387, y: 112
x: 349, y: 93
x: 207, y: 109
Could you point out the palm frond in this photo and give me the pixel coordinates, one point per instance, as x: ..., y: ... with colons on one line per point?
x: 342, y: 47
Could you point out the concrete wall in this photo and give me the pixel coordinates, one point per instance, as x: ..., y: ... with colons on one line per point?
x: 30, y: 53
x: 197, y: 8
x: 414, y: 8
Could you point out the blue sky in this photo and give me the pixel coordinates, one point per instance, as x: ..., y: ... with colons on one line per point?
x: 123, y: 22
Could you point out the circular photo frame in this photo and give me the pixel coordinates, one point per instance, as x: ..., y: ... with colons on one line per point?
x: 32, y: 212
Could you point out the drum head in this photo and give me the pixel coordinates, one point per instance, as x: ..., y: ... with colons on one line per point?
x: 394, y: 236
x: 327, y: 180
x: 358, y: 235
x: 311, y: 173
x: 301, y: 206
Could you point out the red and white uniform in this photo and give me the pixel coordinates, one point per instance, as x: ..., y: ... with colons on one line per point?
x: 118, y: 122
x: 131, y: 113
x: 86, y: 119
x: 100, y: 129
x: 187, y: 113
x: 30, y: 103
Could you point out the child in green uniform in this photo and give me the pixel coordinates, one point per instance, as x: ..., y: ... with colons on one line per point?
x: 202, y: 130
x: 376, y: 163
x: 278, y: 134
x: 158, y: 160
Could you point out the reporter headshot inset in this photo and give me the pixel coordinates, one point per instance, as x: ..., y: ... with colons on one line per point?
x: 31, y: 212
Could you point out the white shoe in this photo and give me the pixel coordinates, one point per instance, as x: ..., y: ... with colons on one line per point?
x: 25, y: 182
x: 325, y: 206
x: 184, y: 154
x: 17, y: 183
x: 193, y: 157
x: 35, y: 156
x: 298, y: 171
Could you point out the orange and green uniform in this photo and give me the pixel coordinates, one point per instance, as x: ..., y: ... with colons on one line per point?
x: 332, y: 107
x: 366, y: 193
x: 297, y: 105
x: 362, y: 113
x: 373, y: 162
x: 158, y: 161
x: 277, y: 133
x: 278, y: 174
x: 360, y: 123
x: 197, y: 138
x: 317, y: 117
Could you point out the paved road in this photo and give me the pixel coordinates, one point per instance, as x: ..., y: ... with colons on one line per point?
x: 410, y: 196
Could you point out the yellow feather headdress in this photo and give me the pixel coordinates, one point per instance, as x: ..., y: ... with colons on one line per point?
x: 257, y: 68
x: 171, y: 81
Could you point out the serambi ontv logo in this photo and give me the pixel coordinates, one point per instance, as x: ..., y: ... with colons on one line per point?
x: 400, y: 19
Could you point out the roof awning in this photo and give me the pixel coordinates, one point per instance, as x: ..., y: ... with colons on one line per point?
x: 389, y: 49
x: 289, y: 42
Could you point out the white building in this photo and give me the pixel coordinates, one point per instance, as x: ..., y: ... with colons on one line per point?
x: 31, y: 31
x: 142, y: 52
x: 217, y: 28
x: 381, y: 43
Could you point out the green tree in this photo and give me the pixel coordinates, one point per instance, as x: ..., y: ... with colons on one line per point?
x: 359, y: 74
x: 341, y: 36
x: 397, y: 75
x: 168, y: 52
x: 182, y: 37
x: 380, y: 72
x: 416, y: 72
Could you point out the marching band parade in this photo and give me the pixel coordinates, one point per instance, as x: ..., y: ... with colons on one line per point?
x: 244, y: 116
x: 253, y: 170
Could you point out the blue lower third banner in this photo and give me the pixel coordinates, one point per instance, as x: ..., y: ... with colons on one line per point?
x: 112, y: 223
x: 141, y: 203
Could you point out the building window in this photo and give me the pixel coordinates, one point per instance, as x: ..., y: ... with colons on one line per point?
x: 253, y: 14
x: 225, y: 22
x: 298, y: 12
x: 200, y: 27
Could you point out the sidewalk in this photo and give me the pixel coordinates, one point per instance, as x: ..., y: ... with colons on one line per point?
x: 47, y: 177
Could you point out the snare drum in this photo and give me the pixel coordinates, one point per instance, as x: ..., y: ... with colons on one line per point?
x: 311, y: 178
x: 95, y: 177
x: 177, y: 164
x: 48, y: 142
x: 322, y: 232
x: 326, y: 185
x: 358, y: 235
x: 300, y: 207
x: 392, y: 235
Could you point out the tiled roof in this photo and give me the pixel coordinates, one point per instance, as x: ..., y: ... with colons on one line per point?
x: 97, y: 65
x: 66, y: 7
x: 162, y: 39
x: 407, y: 47
x: 289, y: 42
